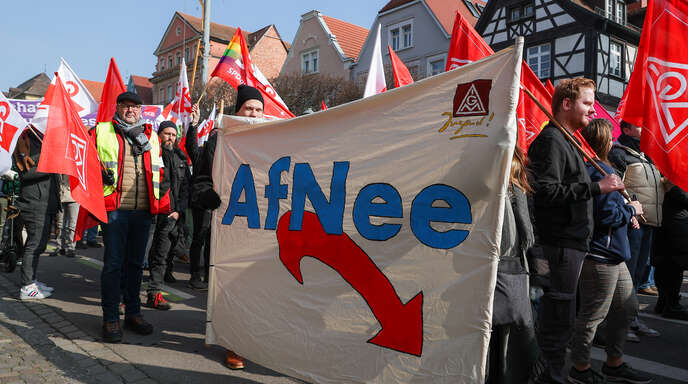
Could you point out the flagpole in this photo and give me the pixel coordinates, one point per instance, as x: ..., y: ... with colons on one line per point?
x: 205, y: 87
x: 570, y: 138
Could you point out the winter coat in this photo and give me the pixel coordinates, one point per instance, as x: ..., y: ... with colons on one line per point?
x: 612, y: 215
x: 640, y: 177
x: 563, y: 191
x: 38, y: 191
x: 176, y: 163
x: 671, y: 239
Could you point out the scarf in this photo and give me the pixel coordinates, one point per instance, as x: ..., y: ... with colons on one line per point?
x: 134, y: 134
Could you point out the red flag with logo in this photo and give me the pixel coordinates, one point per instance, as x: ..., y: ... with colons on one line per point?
x: 466, y: 44
x: 531, y: 118
x: 69, y: 149
x: 657, y: 97
x: 402, y: 76
x: 12, y: 125
x: 113, y: 87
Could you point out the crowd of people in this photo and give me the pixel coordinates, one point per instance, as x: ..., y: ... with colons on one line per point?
x: 579, y: 241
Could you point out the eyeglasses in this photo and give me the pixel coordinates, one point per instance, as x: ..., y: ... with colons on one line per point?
x: 130, y: 106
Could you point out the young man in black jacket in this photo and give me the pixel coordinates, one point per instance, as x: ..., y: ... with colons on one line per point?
x: 166, y: 233
x: 563, y: 216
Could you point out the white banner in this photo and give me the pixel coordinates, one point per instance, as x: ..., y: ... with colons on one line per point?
x: 360, y: 244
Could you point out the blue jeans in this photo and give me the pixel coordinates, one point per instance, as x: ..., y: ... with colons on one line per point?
x: 91, y: 233
x: 125, y: 236
x: 641, y: 244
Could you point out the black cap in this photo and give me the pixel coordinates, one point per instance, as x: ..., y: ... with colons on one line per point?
x: 130, y: 96
x: 166, y: 124
x: 244, y: 93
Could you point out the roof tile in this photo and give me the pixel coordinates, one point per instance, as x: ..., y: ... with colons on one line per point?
x: 350, y: 37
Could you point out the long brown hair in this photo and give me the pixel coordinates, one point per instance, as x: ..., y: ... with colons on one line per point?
x: 519, y: 172
x: 599, y: 135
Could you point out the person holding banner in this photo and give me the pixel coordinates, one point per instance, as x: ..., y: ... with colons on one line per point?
x: 135, y: 186
x: 249, y: 104
x: 606, y: 288
x: 563, y: 217
x: 38, y: 203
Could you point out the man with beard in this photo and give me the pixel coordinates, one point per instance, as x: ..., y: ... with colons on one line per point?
x: 167, y: 230
x: 135, y: 188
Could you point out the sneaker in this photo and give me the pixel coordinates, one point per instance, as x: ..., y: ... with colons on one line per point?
x: 632, y: 337
x: 589, y: 376
x: 676, y: 311
x: 197, y: 283
x: 169, y: 277
x: 94, y: 244
x: 112, y: 333
x: 157, y: 301
x: 32, y: 292
x: 137, y: 324
x: 81, y: 244
x: 625, y: 374
x: 54, y: 252
x: 233, y: 360
x: 643, y: 330
x: 649, y: 291
x: 71, y: 253
x: 43, y: 287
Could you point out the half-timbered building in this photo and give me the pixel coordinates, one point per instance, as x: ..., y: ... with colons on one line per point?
x: 569, y: 38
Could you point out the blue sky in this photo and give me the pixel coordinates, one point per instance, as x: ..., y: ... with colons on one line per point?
x: 36, y: 33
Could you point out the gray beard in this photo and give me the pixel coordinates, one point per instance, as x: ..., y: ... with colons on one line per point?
x: 169, y: 147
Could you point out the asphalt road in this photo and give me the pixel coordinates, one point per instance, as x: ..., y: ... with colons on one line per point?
x: 176, y: 353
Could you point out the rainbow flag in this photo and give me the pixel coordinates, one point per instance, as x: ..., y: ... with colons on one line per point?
x: 231, y: 66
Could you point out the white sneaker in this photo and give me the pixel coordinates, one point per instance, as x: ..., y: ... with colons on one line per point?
x: 32, y: 292
x: 43, y: 287
x: 642, y: 329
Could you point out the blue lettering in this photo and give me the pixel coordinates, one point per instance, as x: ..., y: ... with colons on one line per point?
x: 364, y: 207
x: 275, y: 191
x: 243, y: 181
x: 330, y: 213
x: 423, y: 214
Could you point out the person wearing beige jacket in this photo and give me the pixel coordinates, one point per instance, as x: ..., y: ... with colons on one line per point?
x: 65, y: 220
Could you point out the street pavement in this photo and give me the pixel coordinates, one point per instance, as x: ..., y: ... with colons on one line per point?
x: 58, y: 340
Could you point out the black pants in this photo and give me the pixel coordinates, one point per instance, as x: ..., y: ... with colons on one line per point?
x: 161, y: 254
x: 37, y: 225
x: 200, y: 242
x: 668, y: 278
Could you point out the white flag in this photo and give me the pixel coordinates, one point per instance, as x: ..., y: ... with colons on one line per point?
x: 376, y: 74
x: 360, y: 244
x: 205, y: 127
x: 179, y: 110
x: 11, y: 127
x: 82, y: 98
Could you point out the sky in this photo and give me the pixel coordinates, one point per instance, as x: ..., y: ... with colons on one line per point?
x: 36, y: 33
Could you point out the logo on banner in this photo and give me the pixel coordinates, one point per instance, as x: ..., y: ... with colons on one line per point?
x: 79, y: 145
x: 7, y: 130
x: 472, y: 99
x: 668, y: 86
x: 456, y: 63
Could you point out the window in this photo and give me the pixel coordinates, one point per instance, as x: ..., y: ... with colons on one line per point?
x: 523, y: 11
x: 609, y: 8
x: 162, y: 63
x: 615, y: 50
x: 620, y: 12
x: 309, y: 62
x: 179, y: 58
x: 435, y: 65
x: 471, y: 8
x: 169, y: 61
x: 161, y: 99
x: 178, y: 31
x: 400, y: 36
x: 187, y: 54
x: 170, y: 95
x: 539, y: 60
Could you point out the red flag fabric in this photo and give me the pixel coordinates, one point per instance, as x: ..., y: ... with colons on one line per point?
x: 656, y: 97
x: 601, y: 113
x: 69, y: 149
x: 402, y: 76
x: 531, y: 117
x: 466, y: 44
x: 322, y: 105
x: 12, y: 125
x: 549, y: 86
x: 113, y: 87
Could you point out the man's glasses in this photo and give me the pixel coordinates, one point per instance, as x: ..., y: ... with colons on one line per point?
x: 134, y: 107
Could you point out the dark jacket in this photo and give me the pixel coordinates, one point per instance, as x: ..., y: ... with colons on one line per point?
x: 191, y: 144
x: 609, y: 243
x: 177, y: 166
x: 671, y: 239
x: 202, y: 185
x: 38, y: 191
x: 563, y: 191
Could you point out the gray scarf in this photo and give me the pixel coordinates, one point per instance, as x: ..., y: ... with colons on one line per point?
x: 134, y: 134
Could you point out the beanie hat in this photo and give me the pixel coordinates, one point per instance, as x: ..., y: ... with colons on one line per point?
x: 244, y: 93
x: 166, y: 124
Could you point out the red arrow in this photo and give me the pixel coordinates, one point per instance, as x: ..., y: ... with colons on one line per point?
x: 402, y: 324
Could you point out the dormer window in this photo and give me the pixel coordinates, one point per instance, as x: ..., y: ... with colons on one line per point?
x: 615, y: 10
x: 520, y: 12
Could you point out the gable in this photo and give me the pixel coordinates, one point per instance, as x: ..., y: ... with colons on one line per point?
x: 349, y: 37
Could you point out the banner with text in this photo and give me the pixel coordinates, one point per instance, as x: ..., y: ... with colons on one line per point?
x: 360, y: 243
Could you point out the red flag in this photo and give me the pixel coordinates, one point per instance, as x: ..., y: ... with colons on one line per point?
x: 656, y: 97
x: 530, y: 116
x: 322, y: 105
x: 401, y: 73
x: 69, y: 149
x: 113, y: 87
x: 549, y: 86
x: 466, y: 44
x: 601, y: 113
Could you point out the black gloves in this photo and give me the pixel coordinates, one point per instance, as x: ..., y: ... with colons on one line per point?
x: 108, y: 177
x: 210, y: 199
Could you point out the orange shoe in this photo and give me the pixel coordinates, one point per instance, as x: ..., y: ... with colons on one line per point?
x: 233, y: 360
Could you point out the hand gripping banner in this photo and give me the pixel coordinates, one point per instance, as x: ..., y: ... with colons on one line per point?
x: 360, y: 243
